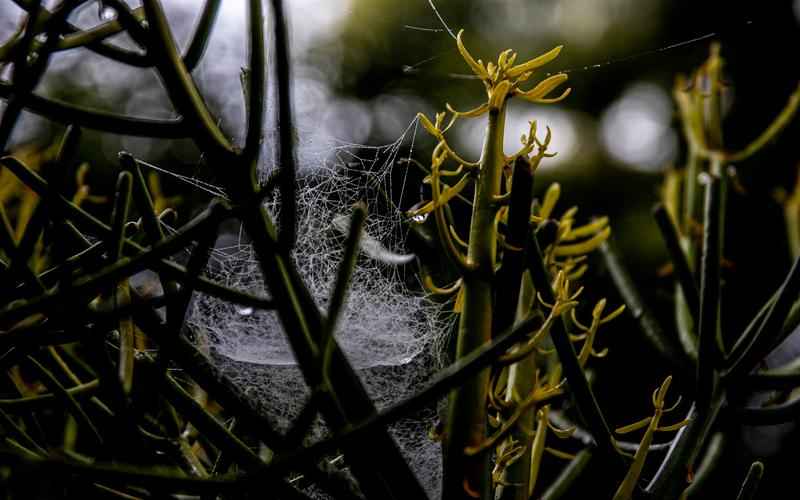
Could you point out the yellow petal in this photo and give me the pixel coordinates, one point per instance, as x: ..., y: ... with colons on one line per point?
x: 472, y: 113
x: 673, y: 427
x: 430, y: 127
x: 534, y: 63
x: 614, y: 314
x: 446, y: 195
x: 584, y: 246
x: 478, y: 69
x: 492, y: 70
x: 553, y: 100
x: 544, y: 87
x: 578, y: 273
x: 550, y: 200
x: 634, y: 426
x: 587, y: 229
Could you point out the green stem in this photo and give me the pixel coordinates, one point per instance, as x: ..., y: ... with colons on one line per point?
x: 654, y: 334
x: 521, y: 375
x: 112, y: 123
x: 708, y: 354
x: 690, y: 196
x: 685, y: 320
x: 751, y: 481
x: 770, y: 331
x: 465, y: 477
x: 70, y: 402
x: 568, y: 476
x: 680, y: 265
x: 711, y: 461
x: 670, y: 478
x: 582, y: 392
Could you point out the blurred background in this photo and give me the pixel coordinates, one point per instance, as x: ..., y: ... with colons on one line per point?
x: 362, y: 69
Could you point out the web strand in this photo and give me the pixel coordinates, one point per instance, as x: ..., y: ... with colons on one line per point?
x: 441, y: 19
x: 209, y: 188
x: 415, y: 68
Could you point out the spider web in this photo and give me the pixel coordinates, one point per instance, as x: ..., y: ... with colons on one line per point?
x: 390, y: 331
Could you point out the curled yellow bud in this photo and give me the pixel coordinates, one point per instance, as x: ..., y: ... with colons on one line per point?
x: 598, y: 309
x: 502, y: 60
x: 428, y: 125
x: 550, y: 200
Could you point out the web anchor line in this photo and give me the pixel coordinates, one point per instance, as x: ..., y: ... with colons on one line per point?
x: 415, y: 68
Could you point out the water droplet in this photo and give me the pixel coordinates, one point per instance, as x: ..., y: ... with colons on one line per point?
x: 107, y: 14
x: 244, y: 311
x: 419, y: 219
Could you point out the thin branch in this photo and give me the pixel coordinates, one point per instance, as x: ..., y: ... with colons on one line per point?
x: 768, y: 415
x: 70, y: 402
x: 650, y: 327
x: 708, y: 354
x: 778, y: 124
x: 679, y: 262
x: 202, y: 32
x: 568, y: 476
x: 576, y: 379
x: 447, y: 380
x: 180, y: 86
x: 256, y: 88
x: 771, y: 329
x: 94, y: 119
x: 33, y: 403
x: 286, y: 154
x: 171, y: 269
x: 92, y: 39
x: 85, y: 287
x: 344, y: 273
x: 751, y: 481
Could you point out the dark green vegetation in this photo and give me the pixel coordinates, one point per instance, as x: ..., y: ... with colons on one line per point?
x: 104, y: 396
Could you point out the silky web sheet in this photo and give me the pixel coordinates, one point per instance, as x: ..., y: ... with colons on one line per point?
x: 391, y: 333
